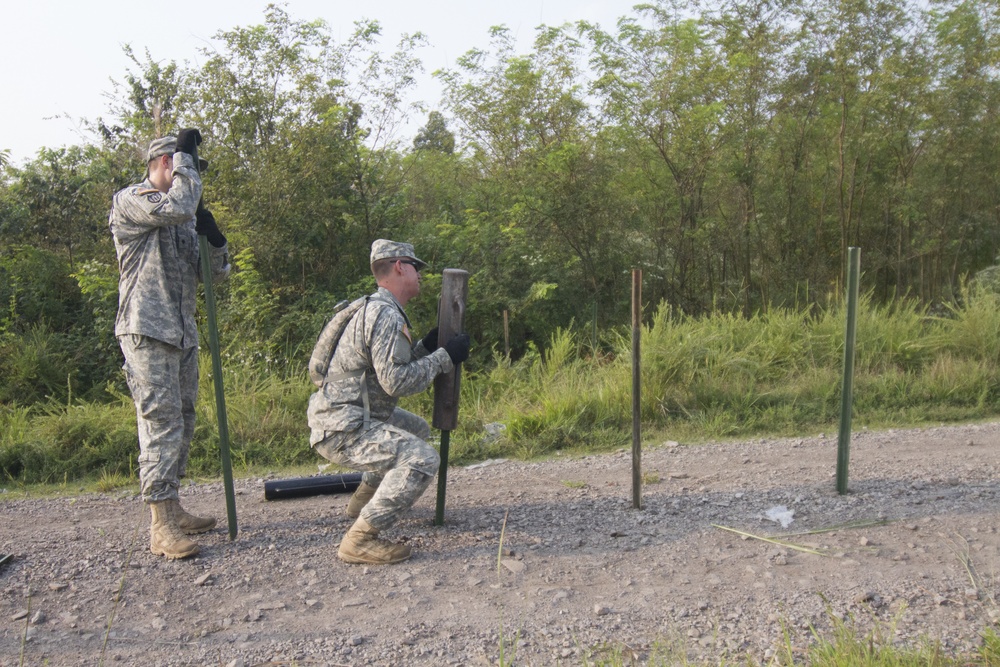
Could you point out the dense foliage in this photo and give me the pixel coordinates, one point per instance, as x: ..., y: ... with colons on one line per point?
x: 733, y: 155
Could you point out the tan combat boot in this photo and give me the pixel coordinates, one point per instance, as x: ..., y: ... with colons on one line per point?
x: 189, y: 523
x: 165, y: 536
x: 361, y: 545
x: 360, y: 498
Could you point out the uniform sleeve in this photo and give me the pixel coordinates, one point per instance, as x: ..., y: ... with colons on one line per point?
x: 138, y: 209
x: 419, y: 351
x: 398, y: 371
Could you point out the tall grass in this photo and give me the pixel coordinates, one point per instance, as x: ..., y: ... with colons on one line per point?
x: 53, y: 442
x: 721, y: 376
x: 266, y: 416
x: 725, y: 376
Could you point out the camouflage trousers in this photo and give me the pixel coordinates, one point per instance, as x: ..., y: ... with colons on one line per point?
x: 395, y: 458
x: 163, y: 380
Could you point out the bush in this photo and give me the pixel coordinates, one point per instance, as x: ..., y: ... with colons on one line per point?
x: 71, y: 443
x: 36, y: 287
x: 35, y: 366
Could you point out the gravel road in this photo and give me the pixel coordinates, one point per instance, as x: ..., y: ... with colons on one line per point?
x: 546, y: 561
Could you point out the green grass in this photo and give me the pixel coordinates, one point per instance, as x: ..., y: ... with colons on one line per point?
x: 709, y: 378
x: 845, y: 645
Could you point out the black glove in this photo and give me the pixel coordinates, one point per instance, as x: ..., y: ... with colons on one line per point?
x: 204, y: 224
x: 430, y: 341
x: 458, y: 348
x: 188, y: 140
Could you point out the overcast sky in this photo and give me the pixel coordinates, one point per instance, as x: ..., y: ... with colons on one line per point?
x: 59, y: 57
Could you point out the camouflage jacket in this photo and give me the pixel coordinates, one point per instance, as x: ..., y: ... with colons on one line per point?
x: 158, y: 257
x: 376, y: 361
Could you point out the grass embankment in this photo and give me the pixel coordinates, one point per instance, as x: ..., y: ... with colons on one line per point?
x: 718, y: 377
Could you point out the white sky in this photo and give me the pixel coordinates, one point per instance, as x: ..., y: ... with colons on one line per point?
x: 59, y: 57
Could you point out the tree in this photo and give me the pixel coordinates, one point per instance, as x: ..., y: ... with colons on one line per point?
x: 144, y: 106
x: 301, y: 132
x: 752, y: 39
x: 540, y: 223
x: 62, y: 202
x: 663, y: 88
x: 435, y: 136
x: 957, y: 183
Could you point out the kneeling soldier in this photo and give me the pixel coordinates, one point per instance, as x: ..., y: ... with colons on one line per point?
x: 354, y: 417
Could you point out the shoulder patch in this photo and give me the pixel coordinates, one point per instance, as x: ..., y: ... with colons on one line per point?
x: 152, y: 195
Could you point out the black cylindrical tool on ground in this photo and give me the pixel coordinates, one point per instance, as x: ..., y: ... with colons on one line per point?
x: 311, y: 486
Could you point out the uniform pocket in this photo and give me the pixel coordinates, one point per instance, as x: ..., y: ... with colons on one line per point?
x: 401, y: 353
x: 149, y: 457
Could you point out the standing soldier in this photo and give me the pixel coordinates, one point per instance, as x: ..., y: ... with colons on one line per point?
x: 155, y: 225
x: 354, y: 418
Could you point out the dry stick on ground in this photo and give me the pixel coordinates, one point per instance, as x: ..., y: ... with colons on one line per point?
x: 161, y: 642
x: 27, y: 621
x: 814, y: 531
x: 790, y: 545
x: 965, y: 559
x: 121, y: 586
x: 503, y: 529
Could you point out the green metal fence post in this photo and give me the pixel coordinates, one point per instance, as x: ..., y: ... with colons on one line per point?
x: 636, y: 389
x: 220, y: 396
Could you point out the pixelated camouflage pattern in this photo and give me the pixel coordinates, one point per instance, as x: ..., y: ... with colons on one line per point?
x: 163, y: 380
x: 395, y: 458
x: 392, y: 451
x: 158, y: 261
x: 158, y: 257
x: 386, y: 249
x: 378, y: 339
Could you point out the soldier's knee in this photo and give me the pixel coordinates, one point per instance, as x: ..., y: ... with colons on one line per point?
x: 435, y: 460
x: 426, y: 460
x: 163, y: 413
x: 422, y: 430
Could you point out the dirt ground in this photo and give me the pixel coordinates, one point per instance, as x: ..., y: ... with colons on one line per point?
x: 547, y: 563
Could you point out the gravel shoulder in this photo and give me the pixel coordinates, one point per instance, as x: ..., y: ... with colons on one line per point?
x: 548, y: 561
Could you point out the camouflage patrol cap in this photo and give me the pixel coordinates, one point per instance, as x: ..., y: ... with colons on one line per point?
x: 168, y: 146
x: 386, y: 249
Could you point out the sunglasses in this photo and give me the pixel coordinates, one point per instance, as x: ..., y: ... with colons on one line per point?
x: 416, y: 265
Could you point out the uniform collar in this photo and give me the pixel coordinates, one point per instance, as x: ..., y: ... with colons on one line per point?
x: 386, y: 295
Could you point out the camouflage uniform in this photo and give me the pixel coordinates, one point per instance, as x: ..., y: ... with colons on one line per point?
x: 158, y: 261
x: 375, y: 363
